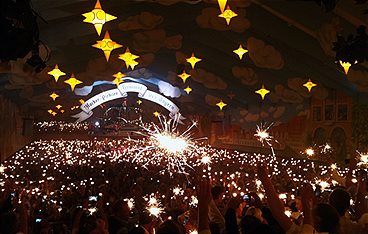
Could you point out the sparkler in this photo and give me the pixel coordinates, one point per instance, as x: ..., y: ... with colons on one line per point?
x: 166, y: 144
x: 154, y: 207
x: 363, y: 160
x: 264, y: 136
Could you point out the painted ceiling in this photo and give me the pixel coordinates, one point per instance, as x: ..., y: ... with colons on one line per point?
x: 289, y: 42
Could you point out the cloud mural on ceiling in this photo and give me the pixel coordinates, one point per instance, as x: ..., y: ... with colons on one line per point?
x: 152, y: 41
x: 145, y: 20
x: 327, y: 35
x: 286, y: 95
x: 247, y: 76
x: 359, y: 79
x: 208, y: 79
x: 209, y: 19
x: 264, y: 55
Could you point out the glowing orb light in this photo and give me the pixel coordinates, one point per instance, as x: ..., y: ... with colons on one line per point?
x: 309, y: 152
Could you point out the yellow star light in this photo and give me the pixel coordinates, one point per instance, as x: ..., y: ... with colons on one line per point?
x: 184, y: 76
x: 53, y: 96
x: 118, y: 78
x: 50, y: 111
x: 56, y: 73
x: 59, y: 106
x: 309, y: 85
x: 54, y: 113
x: 72, y: 81
x: 240, y: 51
x: 62, y: 111
x: 221, y: 104
x: 156, y: 114
x: 81, y: 101
x: 263, y: 92
x: 129, y: 59
x: 139, y: 101
x: 98, y: 17
x: 222, y: 4
x: 346, y: 66
x: 107, y: 45
x: 193, y: 60
x: 188, y: 89
x: 228, y: 14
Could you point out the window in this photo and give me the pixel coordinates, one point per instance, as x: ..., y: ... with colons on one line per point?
x: 329, y: 112
x: 317, y: 113
x: 342, y: 112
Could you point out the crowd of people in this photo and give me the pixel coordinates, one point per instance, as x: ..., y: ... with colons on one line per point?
x: 97, y: 186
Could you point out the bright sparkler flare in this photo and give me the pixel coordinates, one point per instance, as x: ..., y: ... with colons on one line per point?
x: 363, y: 160
x: 264, y: 136
x: 2, y: 168
x: 206, y: 160
x: 167, y: 145
x: 155, y: 211
x: 309, y: 152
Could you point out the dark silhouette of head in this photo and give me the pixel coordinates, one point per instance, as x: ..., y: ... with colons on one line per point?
x: 340, y: 200
x: 325, y: 218
x: 170, y: 227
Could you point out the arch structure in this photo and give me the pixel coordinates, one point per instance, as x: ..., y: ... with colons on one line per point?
x: 122, y: 91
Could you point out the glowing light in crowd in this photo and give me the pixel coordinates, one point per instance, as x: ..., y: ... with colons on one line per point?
x: 188, y: 89
x: 206, y: 160
x: 222, y: 4
x: 221, y: 104
x: 309, y: 152
x: 154, y: 207
x: 2, y: 168
x: 193, y: 232
x: 118, y: 78
x: 263, y: 92
x: 264, y: 136
x: 178, y: 191
x: 107, y: 45
x: 363, y: 160
x: 228, y: 14
x: 129, y: 59
x: 240, y: 51
x: 56, y: 73
x: 92, y: 210
x: 193, y: 60
x: 98, y: 17
x: 53, y: 96
x: 72, y: 81
x: 184, y: 76
x: 309, y: 85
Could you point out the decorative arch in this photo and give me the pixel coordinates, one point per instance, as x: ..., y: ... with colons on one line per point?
x: 120, y: 92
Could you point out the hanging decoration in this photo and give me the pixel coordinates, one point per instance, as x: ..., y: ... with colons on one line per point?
x: 263, y: 92
x: 56, y: 73
x: 222, y: 4
x: 240, y: 51
x: 129, y: 59
x: 98, y: 17
x: 53, y: 96
x: 107, y: 45
x: 221, y: 104
x: 72, y: 81
x: 309, y: 85
x: 184, y: 76
x: 228, y: 14
x: 188, y: 89
x: 118, y: 78
x: 193, y: 60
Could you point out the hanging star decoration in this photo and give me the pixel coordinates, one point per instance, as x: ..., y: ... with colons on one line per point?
x: 107, y: 45
x: 56, y: 73
x: 228, y: 14
x: 156, y: 114
x: 118, y: 78
x: 222, y: 4
x: 139, y: 101
x: 193, y: 60
x: 240, y: 51
x: 184, y: 76
x: 263, y: 92
x: 346, y: 66
x: 53, y: 96
x: 221, y: 104
x: 59, y: 106
x: 129, y: 59
x: 50, y: 111
x: 188, y: 89
x: 309, y: 85
x: 81, y: 101
x: 62, y: 111
x: 72, y: 81
x: 98, y: 17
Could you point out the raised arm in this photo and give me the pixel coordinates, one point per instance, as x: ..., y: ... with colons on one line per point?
x: 276, y: 206
x: 204, y: 198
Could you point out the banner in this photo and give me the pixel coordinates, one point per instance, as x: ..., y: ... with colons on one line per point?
x: 120, y: 92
